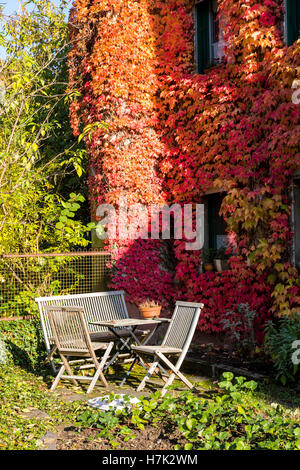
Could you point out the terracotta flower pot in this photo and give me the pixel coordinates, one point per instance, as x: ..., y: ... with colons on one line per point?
x: 208, y: 267
x: 150, y: 312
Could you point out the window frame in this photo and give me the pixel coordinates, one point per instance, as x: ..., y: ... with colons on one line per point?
x: 210, y: 216
x: 287, y: 34
x: 212, y: 61
x: 196, y: 42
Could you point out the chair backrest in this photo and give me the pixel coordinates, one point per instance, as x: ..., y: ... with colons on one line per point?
x: 69, y: 328
x: 98, y: 306
x: 182, y: 326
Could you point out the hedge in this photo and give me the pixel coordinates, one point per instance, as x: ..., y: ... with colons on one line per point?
x: 21, y: 343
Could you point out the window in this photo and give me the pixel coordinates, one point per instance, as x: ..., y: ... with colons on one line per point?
x: 215, y: 226
x: 217, y: 44
x: 209, y: 41
x: 292, y: 21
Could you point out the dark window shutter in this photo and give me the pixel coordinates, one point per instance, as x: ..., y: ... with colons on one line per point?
x: 292, y: 21
x: 202, y: 35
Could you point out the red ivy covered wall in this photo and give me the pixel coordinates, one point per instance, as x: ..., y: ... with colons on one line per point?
x: 173, y: 134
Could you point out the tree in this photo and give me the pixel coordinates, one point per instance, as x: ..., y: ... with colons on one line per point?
x: 41, y: 163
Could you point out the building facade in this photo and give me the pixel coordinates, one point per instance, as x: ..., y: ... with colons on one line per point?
x: 200, y: 104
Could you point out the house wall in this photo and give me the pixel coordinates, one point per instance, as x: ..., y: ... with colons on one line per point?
x: 173, y: 134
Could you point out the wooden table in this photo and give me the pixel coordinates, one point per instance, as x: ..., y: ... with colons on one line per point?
x: 131, y: 324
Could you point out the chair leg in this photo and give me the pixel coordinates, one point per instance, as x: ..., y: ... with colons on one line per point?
x: 49, y: 359
x: 57, y: 378
x: 114, y: 358
x: 68, y: 368
x: 129, y: 371
x: 167, y: 384
x: 147, y: 376
x: 163, y: 376
x: 99, y: 370
x: 175, y: 371
x: 183, y: 379
x: 50, y: 355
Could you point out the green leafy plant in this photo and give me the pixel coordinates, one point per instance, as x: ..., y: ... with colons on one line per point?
x: 209, y: 255
x: 232, y: 415
x: 23, y: 343
x: 221, y: 253
x: 41, y: 162
x: 279, y: 341
x: 228, y: 418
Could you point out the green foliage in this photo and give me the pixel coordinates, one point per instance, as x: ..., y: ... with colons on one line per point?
x: 22, y: 392
x: 22, y: 343
x: 24, y: 279
x: 232, y: 418
x: 279, y: 341
x: 17, y: 432
x: 221, y: 253
x: 209, y: 255
x: 41, y: 163
x: 43, y: 191
x: 108, y: 422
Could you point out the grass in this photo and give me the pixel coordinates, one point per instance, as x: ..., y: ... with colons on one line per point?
x: 22, y: 392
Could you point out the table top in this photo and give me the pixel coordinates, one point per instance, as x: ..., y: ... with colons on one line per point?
x: 130, y: 322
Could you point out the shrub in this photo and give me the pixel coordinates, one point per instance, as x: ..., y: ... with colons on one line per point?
x: 21, y: 343
x: 240, y: 328
x: 279, y: 343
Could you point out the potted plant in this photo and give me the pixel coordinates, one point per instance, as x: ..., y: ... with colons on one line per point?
x: 149, y: 309
x: 221, y: 260
x: 208, y: 259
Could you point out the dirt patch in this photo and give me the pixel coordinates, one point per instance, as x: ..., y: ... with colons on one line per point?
x: 149, y: 439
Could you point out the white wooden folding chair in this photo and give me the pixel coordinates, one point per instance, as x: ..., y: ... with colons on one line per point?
x: 175, y: 343
x: 72, y: 339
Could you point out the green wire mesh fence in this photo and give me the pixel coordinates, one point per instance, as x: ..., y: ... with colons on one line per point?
x: 26, y: 276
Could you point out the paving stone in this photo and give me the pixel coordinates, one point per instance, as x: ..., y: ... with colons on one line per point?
x: 35, y: 413
x: 49, y: 441
x: 70, y: 396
